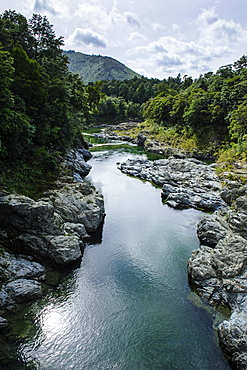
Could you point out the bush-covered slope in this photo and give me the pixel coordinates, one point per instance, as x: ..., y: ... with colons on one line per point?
x: 98, y: 68
x: 43, y: 106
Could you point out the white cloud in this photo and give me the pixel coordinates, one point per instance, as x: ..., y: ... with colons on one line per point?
x: 86, y: 37
x: 207, y: 17
x: 216, y: 31
x: 137, y: 37
x: 93, y: 16
x: 41, y: 6
x: 176, y: 27
x: 132, y: 19
x: 214, y: 38
x: 157, y: 27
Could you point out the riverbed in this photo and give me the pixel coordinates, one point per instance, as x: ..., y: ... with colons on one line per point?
x: 128, y: 305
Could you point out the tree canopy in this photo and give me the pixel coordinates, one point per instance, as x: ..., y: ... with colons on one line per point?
x: 43, y: 105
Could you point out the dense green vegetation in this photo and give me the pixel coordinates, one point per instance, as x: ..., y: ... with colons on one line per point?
x: 43, y: 105
x: 94, y: 68
x: 210, y: 111
x: 125, y: 99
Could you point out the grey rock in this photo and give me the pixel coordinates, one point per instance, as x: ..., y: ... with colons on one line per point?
x: 22, y: 290
x: 185, y: 182
x: 211, y: 229
x: 4, y: 298
x: 141, y: 138
x: 76, y: 162
x: 41, y: 228
x: 15, y: 267
x: 85, y: 153
x: 64, y: 249
x: 219, y: 274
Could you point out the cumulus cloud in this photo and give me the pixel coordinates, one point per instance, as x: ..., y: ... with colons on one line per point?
x: 207, y: 17
x: 82, y: 36
x: 41, y: 6
x: 157, y: 27
x: 132, y: 19
x: 94, y: 16
x: 214, y: 38
x: 217, y: 31
x: 137, y: 37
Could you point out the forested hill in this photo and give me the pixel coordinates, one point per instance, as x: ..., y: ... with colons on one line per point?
x: 98, y: 68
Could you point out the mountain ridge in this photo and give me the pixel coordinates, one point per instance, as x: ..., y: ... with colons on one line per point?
x: 98, y: 68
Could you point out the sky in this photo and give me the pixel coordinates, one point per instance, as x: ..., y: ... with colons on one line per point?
x: 156, y: 38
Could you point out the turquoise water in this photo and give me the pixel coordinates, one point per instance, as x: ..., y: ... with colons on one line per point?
x: 128, y: 306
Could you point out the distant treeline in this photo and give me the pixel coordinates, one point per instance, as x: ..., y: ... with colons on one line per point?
x: 212, y: 107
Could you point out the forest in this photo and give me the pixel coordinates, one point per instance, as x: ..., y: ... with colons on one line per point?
x: 45, y: 107
x: 211, y: 109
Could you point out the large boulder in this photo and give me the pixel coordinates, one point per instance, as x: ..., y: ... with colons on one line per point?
x: 233, y: 334
x: 22, y: 290
x: 211, y: 229
x: 55, y: 227
x: 18, y: 267
x: 76, y: 161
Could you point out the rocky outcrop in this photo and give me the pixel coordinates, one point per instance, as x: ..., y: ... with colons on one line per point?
x: 185, y: 182
x: 76, y: 162
x: 53, y: 228
x: 218, y: 270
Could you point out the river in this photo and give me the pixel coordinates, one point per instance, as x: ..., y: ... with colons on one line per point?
x: 128, y: 306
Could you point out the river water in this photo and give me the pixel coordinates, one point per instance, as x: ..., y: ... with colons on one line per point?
x: 128, y: 306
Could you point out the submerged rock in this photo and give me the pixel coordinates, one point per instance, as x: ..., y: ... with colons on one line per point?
x: 185, y: 182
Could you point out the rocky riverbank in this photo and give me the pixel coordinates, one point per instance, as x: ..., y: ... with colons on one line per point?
x: 52, y: 231
x: 132, y: 132
x: 185, y: 182
x: 217, y: 271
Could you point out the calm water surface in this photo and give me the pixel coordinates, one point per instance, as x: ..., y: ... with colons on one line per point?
x: 128, y: 306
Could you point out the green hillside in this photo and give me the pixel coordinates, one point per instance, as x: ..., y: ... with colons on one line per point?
x: 98, y: 68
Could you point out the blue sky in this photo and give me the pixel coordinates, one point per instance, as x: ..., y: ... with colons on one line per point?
x: 157, y: 38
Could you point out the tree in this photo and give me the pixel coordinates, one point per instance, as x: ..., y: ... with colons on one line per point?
x: 159, y: 108
x: 203, y: 110
x: 14, y: 29
x: 240, y: 64
x: 238, y: 123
